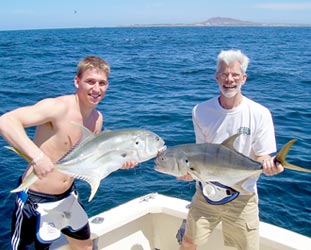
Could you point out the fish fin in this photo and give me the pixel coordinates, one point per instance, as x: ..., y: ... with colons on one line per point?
x: 281, y: 158
x: 25, y: 157
x: 85, y: 131
x: 94, y: 179
x: 246, y: 186
x: 91, y: 180
x: 28, y: 181
x: 94, y: 183
x: 118, y: 155
x: 229, y: 141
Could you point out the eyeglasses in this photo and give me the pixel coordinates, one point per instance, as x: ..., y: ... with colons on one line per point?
x: 225, y: 76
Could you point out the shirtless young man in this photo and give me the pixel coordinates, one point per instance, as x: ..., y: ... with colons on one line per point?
x: 55, y: 135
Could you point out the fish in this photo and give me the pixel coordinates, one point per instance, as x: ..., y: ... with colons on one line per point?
x: 98, y: 155
x: 221, y: 163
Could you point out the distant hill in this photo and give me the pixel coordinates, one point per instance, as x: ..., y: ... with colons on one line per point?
x: 221, y: 21
x: 226, y: 21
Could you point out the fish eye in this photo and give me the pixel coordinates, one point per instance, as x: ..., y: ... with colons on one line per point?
x: 187, y: 163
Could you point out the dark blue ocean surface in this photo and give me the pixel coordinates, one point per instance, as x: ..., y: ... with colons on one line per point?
x: 158, y: 75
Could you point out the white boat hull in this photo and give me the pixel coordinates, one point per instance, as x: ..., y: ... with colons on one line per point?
x: 152, y: 221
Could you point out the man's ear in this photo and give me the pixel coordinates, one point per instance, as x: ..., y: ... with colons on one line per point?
x: 217, y: 76
x: 76, y: 81
x: 244, y: 79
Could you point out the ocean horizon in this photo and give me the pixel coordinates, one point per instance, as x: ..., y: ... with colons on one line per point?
x: 158, y: 75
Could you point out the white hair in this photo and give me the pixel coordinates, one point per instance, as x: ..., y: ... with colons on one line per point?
x: 230, y: 56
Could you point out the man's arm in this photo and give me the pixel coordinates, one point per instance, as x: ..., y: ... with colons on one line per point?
x: 12, y: 128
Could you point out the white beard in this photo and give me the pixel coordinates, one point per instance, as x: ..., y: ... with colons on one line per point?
x: 229, y: 93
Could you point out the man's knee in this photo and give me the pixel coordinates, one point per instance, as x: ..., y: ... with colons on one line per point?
x: 187, y: 244
x: 80, y: 244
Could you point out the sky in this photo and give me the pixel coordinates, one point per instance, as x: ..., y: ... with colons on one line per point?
x: 40, y: 14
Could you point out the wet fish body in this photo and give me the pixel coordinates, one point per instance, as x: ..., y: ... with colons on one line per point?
x: 216, y: 162
x: 98, y: 155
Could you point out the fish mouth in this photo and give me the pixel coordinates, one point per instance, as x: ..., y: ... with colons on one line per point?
x: 162, y: 149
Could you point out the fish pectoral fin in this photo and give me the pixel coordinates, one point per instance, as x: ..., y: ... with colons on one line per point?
x: 117, y: 155
x: 246, y: 186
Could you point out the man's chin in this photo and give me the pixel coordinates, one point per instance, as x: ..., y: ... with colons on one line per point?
x: 229, y: 93
x: 95, y: 101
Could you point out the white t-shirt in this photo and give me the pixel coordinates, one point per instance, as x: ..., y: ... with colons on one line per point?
x: 214, y: 124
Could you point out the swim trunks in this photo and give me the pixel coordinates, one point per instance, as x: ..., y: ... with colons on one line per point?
x: 40, y: 219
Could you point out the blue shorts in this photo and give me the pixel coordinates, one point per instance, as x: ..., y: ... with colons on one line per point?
x: 28, y: 219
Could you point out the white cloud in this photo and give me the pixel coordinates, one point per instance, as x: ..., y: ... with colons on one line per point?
x: 284, y: 6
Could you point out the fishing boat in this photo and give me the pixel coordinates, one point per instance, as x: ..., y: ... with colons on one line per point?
x: 154, y: 222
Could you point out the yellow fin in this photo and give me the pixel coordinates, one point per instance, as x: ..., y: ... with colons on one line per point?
x: 18, y: 152
x: 281, y: 158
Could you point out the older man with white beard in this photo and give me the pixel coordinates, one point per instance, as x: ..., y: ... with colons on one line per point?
x: 215, y: 120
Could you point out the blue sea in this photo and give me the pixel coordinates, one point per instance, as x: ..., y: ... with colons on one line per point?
x: 158, y: 75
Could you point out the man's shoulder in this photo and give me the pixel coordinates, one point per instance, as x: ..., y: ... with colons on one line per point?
x: 255, y: 104
x: 55, y: 106
x: 63, y: 100
x: 207, y: 103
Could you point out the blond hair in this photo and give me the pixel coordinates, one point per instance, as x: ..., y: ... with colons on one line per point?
x: 93, y: 62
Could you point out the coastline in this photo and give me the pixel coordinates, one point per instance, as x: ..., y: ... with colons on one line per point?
x: 219, y: 22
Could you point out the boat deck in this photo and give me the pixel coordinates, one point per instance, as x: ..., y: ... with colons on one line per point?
x: 152, y: 221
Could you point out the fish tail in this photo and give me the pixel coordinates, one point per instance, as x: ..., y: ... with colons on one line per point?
x: 28, y: 181
x: 281, y: 158
x: 18, y: 152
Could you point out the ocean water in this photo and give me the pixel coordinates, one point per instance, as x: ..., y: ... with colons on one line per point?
x: 158, y: 75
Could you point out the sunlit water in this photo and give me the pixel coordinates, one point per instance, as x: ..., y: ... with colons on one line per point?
x: 158, y: 75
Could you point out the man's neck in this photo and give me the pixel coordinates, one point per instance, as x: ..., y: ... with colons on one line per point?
x: 85, y: 110
x: 230, y: 103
